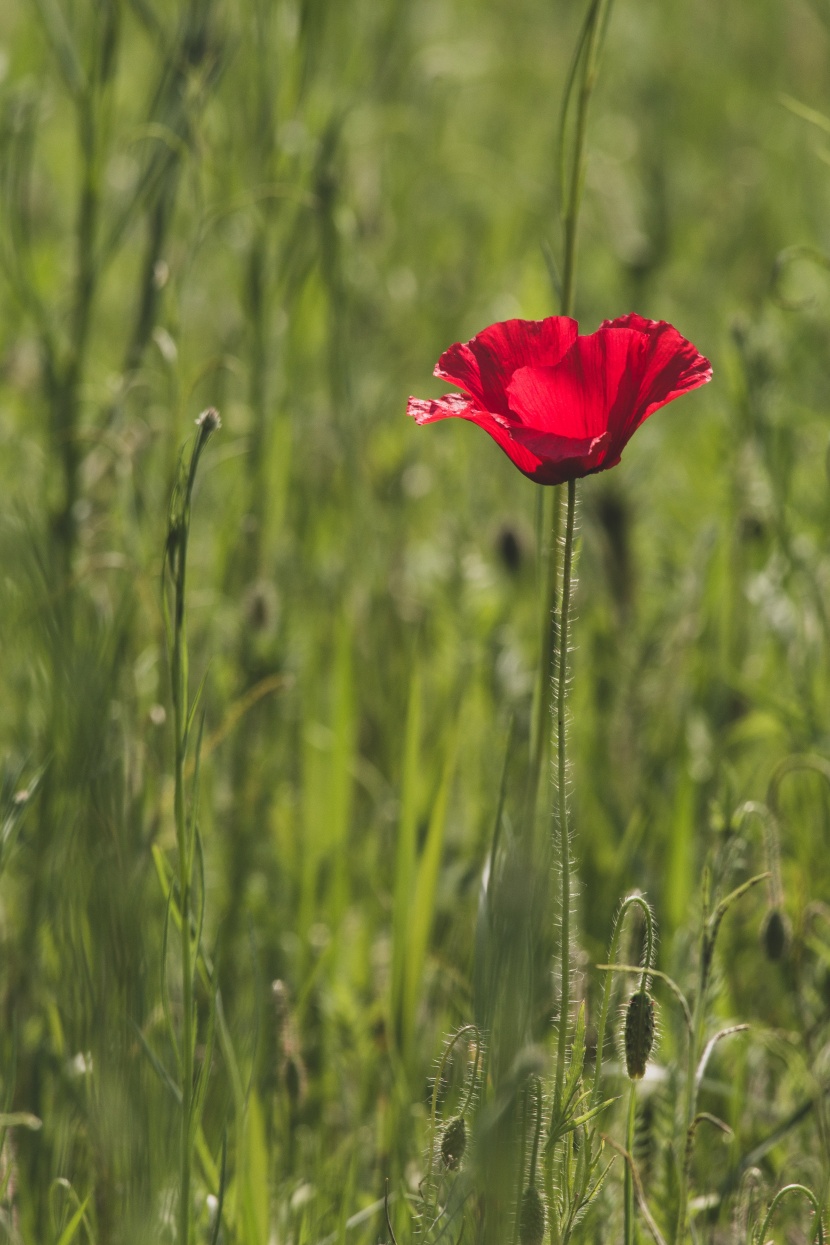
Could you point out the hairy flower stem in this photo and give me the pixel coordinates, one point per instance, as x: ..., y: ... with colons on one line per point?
x: 562, y: 801
x: 683, y: 1191
x: 695, y: 1043
x: 541, y: 727
x: 520, y: 1181
x: 629, y: 1183
x: 537, y: 1132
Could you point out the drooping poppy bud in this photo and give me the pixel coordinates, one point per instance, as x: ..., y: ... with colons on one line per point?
x: 532, y: 1217
x: 775, y: 934
x: 639, y: 1034
x: 453, y: 1143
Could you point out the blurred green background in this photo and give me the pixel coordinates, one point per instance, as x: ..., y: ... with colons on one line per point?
x: 288, y: 210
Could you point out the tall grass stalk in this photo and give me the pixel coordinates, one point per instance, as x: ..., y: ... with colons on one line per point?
x: 186, y: 833
x: 584, y: 69
x: 258, y: 185
x: 88, y: 91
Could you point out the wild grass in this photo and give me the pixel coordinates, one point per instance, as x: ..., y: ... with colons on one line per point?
x: 285, y: 209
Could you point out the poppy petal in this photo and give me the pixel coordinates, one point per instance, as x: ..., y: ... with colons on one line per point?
x: 564, y: 458
x: 484, y: 365
x: 559, y: 405
x: 574, y: 398
x: 426, y: 411
x: 459, y: 406
x: 557, y: 448
x: 668, y: 366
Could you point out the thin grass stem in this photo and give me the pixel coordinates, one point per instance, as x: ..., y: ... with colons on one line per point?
x: 176, y: 564
x: 629, y: 1183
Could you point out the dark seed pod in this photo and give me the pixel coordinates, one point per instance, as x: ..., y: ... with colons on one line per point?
x: 775, y: 934
x: 639, y: 1034
x: 532, y: 1217
x: 510, y: 549
x: 293, y: 1075
x: 454, y: 1143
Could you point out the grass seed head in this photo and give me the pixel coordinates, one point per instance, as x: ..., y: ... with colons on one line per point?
x: 209, y: 421
x: 639, y: 1034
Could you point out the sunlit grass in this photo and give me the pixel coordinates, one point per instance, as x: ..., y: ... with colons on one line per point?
x: 290, y: 209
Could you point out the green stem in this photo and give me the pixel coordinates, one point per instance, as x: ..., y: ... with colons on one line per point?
x: 629, y: 1183
x: 588, y: 50
x: 562, y: 793
x: 548, y: 648
x: 698, y: 1016
x: 818, y: 1235
x: 180, y: 725
x: 187, y: 1055
x: 68, y: 380
x: 176, y: 563
x: 520, y: 1183
x: 537, y: 1131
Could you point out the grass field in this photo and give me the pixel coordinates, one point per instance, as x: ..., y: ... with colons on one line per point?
x: 236, y: 944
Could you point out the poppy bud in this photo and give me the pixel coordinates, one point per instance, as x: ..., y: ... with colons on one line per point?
x: 510, y: 549
x: 639, y: 1034
x: 293, y: 1075
x: 261, y: 606
x: 532, y: 1217
x: 454, y: 1143
x: 775, y: 934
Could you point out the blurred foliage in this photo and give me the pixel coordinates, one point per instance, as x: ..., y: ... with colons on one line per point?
x: 287, y: 209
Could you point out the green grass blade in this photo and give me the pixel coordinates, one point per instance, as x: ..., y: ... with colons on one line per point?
x: 423, y: 899
x: 405, y: 855
x: 158, y: 1067
x: 253, y: 1178
x: 75, y: 1222
x: 340, y: 782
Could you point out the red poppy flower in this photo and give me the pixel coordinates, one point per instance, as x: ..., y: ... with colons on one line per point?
x: 563, y: 406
